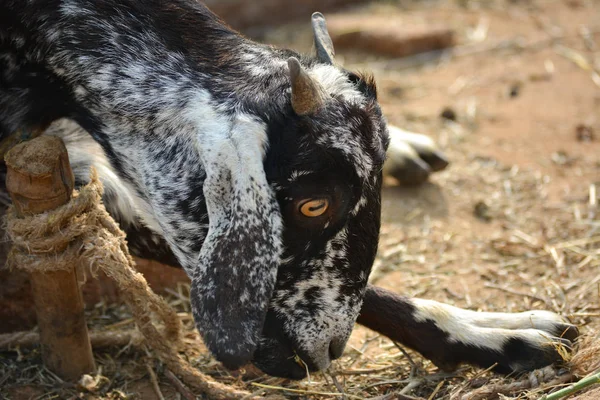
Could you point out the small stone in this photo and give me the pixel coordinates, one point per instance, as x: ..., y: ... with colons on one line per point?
x: 92, y: 384
x: 515, y: 90
x: 482, y: 211
x: 561, y: 157
x: 448, y: 114
x: 584, y: 133
x: 88, y: 383
x: 575, y: 4
x: 478, y: 382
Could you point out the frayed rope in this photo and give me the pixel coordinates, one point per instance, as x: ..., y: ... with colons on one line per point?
x: 82, y: 233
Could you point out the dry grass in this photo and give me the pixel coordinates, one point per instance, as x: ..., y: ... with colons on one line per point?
x: 378, y: 368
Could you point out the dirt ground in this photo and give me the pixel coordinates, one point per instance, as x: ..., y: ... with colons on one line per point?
x: 481, y: 234
x: 518, y: 153
x: 512, y: 224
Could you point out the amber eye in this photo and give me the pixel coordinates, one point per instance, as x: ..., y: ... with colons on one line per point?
x: 314, y: 207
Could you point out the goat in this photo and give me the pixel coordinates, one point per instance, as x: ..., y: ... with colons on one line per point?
x: 255, y: 169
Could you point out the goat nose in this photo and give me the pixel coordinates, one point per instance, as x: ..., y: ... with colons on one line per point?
x: 320, y: 355
x: 336, y: 348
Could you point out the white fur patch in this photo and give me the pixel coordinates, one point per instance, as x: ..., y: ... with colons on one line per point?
x: 487, y: 329
x: 408, y: 144
x: 84, y: 153
x: 336, y: 83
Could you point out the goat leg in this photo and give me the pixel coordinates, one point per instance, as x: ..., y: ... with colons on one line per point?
x: 449, y: 336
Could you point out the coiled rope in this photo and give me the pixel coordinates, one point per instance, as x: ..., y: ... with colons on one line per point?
x: 81, y: 232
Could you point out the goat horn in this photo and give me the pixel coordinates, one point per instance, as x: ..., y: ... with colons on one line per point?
x: 323, y: 43
x: 307, y: 95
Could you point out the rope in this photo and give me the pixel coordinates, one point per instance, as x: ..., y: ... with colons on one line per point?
x: 82, y: 232
x: 544, y: 378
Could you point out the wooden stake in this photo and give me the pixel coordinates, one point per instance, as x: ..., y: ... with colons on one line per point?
x: 39, y: 179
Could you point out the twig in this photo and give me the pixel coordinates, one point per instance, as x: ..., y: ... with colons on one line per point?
x: 414, y: 366
x: 576, y: 57
x: 474, y: 377
x: 437, y: 389
x: 154, y: 381
x: 365, y: 371
x: 517, y: 293
x: 338, y: 386
x: 585, y: 382
x: 260, y: 385
x: 534, y: 380
x: 179, y: 386
x: 98, y: 339
x: 413, y: 384
x: 395, y: 396
x: 577, y: 242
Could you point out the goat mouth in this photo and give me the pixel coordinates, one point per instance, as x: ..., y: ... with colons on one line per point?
x: 277, y: 359
x: 312, y: 364
x: 308, y: 366
x: 280, y: 355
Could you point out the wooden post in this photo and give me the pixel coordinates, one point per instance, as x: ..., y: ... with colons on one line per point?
x: 39, y: 179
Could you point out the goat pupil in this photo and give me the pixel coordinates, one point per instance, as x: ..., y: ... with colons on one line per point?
x: 318, y: 207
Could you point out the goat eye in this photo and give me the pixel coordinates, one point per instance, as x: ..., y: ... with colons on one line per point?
x: 314, y: 207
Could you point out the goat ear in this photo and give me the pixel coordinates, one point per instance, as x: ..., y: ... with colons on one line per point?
x: 323, y: 43
x: 239, y: 258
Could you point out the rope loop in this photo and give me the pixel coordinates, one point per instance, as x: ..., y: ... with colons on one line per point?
x: 82, y: 233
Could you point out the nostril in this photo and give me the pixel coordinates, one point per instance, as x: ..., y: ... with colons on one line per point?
x: 336, y: 349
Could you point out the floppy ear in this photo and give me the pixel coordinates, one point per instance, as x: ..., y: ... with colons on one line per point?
x: 239, y: 258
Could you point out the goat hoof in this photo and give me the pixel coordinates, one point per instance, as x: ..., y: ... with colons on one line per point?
x: 524, y: 355
x: 408, y: 171
x: 436, y: 160
x: 542, y: 341
x: 412, y: 157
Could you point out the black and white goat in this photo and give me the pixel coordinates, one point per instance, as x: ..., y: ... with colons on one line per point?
x: 256, y: 169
